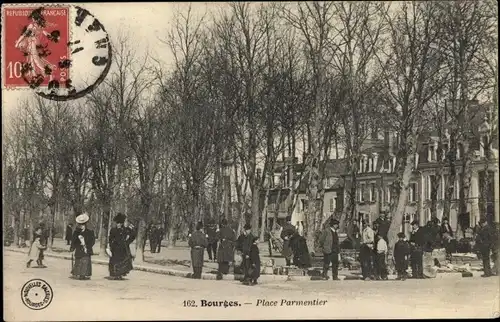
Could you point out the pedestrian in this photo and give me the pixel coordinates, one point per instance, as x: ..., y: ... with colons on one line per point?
x: 227, y: 238
x: 82, y: 242
x: 120, y: 238
x: 36, y: 249
x: 381, y: 258
x: 286, y: 234
x: 401, y: 255
x: 152, y: 237
x: 486, y: 242
x: 366, y: 251
x: 329, y: 244
x: 254, y: 261
x: 447, y: 237
x: 198, y: 242
x: 212, y: 241
x: 159, y: 235
x: 246, y: 244
x: 69, y: 234
x: 417, y: 243
x: 383, y: 224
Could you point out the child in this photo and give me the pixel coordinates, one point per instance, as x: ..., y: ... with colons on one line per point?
x: 254, y: 262
x: 36, y: 250
x: 401, y: 255
x: 381, y: 258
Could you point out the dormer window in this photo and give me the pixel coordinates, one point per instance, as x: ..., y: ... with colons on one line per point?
x: 484, y: 145
x: 460, y: 150
x: 432, y: 152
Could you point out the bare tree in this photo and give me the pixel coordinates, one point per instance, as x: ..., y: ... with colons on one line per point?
x: 314, y: 21
x: 412, y: 73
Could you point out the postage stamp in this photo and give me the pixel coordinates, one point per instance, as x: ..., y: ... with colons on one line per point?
x: 35, y: 42
x: 61, y: 52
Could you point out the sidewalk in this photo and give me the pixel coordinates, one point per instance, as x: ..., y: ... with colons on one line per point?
x: 176, y: 261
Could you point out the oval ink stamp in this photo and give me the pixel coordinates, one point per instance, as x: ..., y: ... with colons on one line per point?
x: 37, y: 294
x: 61, y: 52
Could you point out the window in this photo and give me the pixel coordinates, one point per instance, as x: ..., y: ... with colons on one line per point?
x: 444, y: 184
x: 388, y: 194
x: 372, y: 191
x: 428, y: 214
x: 369, y: 165
x: 362, y: 192
x: 457, y: 188
x: 332, y: 205
x: 412, y: 192
x: 430, y: 180
x: 445, y: 151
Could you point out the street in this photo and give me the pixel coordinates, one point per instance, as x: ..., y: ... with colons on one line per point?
x: 153, y: 296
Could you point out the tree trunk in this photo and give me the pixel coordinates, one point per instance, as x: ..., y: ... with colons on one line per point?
x: 264, y: 215
x: 140, y: 241
x: 21, y: 228
x: 104, y: 230
x: 15, y: 226
x: 401, y: 197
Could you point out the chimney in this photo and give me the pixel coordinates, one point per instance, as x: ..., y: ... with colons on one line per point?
x: 388, y: 141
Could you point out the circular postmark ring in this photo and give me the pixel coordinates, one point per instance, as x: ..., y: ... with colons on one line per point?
x: 36, y: 294
x: 76, y: 71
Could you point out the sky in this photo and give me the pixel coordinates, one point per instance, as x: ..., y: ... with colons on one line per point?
x: 145, y: 22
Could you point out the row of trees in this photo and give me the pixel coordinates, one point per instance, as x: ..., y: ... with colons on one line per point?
x: 248, y: 83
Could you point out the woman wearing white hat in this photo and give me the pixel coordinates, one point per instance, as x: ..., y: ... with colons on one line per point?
x: 82, y: 242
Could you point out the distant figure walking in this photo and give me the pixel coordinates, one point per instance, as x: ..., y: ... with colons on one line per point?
x: 82, y: 242
x: 254, y: 273
x: 212, y: 241
x: 36, y: 249
x: 198, y: 242
x: 120, y: 238
x: 69, y: 234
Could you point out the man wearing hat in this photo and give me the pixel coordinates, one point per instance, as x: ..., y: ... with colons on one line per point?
x: 401, y: 255
x: 288, y: 232
x: 198, y: 242
x: 212, y: 240
x: 383, y: 225
x: 486, y: 242
x: 366, y: 251
x: 227, y: 238
x: 120, y: 238
x: 246, y: 241
x: 417, y: 243
x: 329, y: 244
x: 81, y: 243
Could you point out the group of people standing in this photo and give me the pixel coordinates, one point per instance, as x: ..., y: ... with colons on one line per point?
x: 156, y: 233
x: 225, y: 237
x: 81, y: 245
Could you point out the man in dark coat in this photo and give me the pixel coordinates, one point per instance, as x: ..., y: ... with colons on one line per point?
x: 158, y: 236
x: 227, y: 238
x: 120, y: 238
x: 254, y: 261
x: 153, y: 240
x: 382, y: 225
x: 417, y: 243
x: 287, y: 233
x: 212, y: 241
x: 329, y: 244
x: 69, y: 234
x: 401, y: 254
x: 486, y: 239
x: 446, y: 233
x: 198, y: 242
x: 246, y: 245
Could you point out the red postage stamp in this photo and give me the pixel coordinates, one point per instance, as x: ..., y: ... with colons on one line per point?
x: 35, y: 46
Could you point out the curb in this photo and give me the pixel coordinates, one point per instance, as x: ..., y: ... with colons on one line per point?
x: 208, y: 276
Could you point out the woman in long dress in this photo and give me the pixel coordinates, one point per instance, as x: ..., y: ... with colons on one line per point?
x: 82, y: 242
x: 120, y: 238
